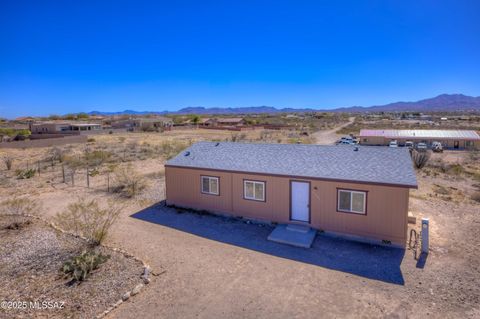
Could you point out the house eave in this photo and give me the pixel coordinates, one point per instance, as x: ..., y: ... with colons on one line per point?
x: 411, y: 186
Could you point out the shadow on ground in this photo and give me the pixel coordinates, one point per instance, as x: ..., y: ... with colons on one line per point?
x: 366, y: 260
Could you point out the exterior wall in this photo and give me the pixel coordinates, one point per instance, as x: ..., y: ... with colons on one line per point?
x: 47, y: 142
x: 387, y: 207
x: 50, y: 128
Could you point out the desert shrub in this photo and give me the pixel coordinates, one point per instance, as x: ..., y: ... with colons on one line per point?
x: 476, y: 196
x: 91, y: 140
x: 128, y: 182
x: 8, y: 160
x: 441, y: 190
x: 420, y: 159
x: 97, y: 157
x: 169, y: 149
x: 19, y: 210
x: 79, y: 267
x: 456, y: 169
x: 237, y: 137
x: 86, y: 218
x: 56, y: 154
x: 25, y: 173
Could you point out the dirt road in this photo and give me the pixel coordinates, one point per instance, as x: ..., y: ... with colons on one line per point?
x: 327, y: 137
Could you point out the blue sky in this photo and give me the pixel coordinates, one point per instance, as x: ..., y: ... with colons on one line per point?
x: 58, y: 57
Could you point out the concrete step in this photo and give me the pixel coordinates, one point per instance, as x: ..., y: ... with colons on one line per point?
x: 294, y: 238
x: 298, y: 228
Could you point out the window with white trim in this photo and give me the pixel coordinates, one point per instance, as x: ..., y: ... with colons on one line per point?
x: 350, y: 201
x: 254, y: 190
x: 210, y: 185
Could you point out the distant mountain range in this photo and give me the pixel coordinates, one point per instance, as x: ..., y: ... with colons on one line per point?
x: 444, y: 103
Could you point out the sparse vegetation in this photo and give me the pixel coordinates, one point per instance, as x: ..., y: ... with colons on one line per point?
x: 169, y: 149
x: 128, y: 182
x: 19, y: 211
x: 86, y: 218
x: 420, y: 159
x: 8, y: 160
x: 25, y: 173
x: 79, y: 267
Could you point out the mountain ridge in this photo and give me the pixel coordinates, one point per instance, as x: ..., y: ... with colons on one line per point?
x: 442, y: 102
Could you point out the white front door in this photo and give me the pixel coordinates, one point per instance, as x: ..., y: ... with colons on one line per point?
x: 300, y: 198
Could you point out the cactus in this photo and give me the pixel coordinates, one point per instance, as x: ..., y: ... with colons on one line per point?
x: 79, y: 267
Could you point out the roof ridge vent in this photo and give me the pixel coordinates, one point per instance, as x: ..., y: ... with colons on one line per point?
x: 187, y: 153
x: 355, y: 149
x: 216, y: 144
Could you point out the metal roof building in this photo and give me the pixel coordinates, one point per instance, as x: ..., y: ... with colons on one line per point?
x: 456, y: 139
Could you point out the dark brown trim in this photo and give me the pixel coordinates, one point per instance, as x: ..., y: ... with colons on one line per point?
x: 352, y: 190
x: 309, y: 200
x: 294, y: 176
x: 201, y: 185
x: 264, y: 190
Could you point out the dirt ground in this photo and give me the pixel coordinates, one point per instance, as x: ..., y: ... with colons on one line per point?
x: 217, y: 267
x: 327, y: 137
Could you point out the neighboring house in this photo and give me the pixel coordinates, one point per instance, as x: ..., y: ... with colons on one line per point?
x: 144, y: 124
x: 152, y: 124
x: 359, y: 191
x: 62, y: 127
x: 49, y: 127
x: 206, y: 122
x: 454, y: 139
x: 233, y: 121
x: 219, y: 122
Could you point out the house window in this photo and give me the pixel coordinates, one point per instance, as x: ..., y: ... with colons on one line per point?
x: 254, y: 190
x: 210, y: 185
x: 350, y: 201
x: 468, y: 144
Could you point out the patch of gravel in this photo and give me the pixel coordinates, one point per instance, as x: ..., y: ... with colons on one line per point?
x: 30, y: 260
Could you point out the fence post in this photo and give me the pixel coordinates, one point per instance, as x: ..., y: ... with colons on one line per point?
x: 108, y: 182
x: 88, y: 179
x: 38, y: 167
x: 63, y: 172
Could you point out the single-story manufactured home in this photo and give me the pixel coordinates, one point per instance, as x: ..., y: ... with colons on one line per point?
x: 354, y: 190
x: 453, y: 139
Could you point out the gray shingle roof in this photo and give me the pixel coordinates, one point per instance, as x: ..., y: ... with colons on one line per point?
x: 382, y: 165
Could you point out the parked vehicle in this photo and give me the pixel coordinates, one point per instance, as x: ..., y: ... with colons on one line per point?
x: 422, y: 147
x: 437, y: 147
x: 393, y: 144
x: 346, y: 140
x: 409, y: 144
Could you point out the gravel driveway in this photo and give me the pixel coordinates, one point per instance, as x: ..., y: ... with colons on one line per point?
x: 217, y: 267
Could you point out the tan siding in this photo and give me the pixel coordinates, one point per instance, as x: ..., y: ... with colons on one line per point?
x: 387, y: 207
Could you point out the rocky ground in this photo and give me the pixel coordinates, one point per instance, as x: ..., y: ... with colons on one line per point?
x: 30, y: 261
